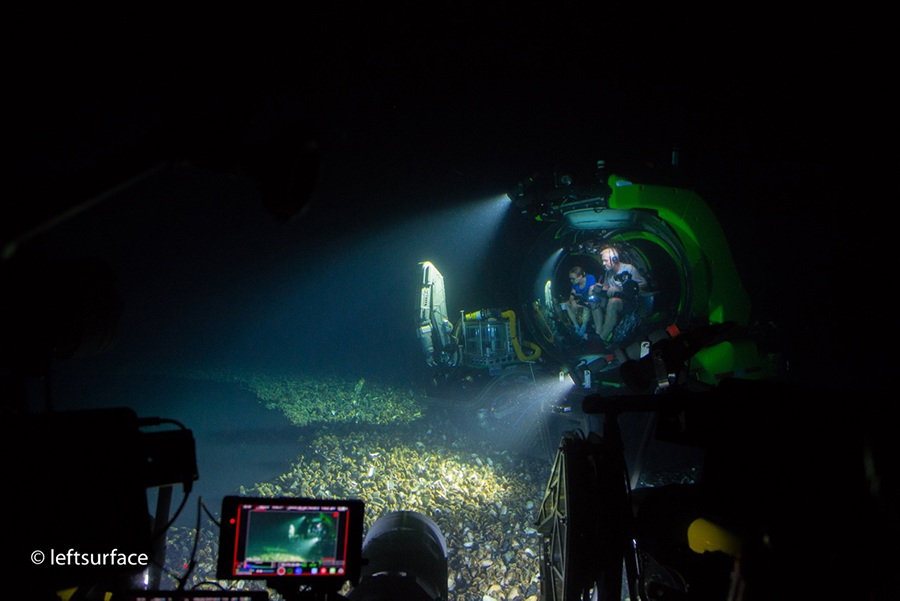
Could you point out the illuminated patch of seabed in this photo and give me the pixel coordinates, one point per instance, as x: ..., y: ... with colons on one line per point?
x: 363, y: 440
x: 484, y: 501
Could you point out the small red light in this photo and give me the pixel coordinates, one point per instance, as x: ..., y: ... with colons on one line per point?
x: 231, y: 520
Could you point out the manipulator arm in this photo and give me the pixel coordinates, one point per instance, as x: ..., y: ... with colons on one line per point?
x: 434, y: 329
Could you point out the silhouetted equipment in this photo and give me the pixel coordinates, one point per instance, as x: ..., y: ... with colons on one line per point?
x: 405, y: 557
x: 205, y: 594
x: 308, y: 548
x: 81, y: 479
x: 781, y: 502
x: 58, y: 309
x: 237, y: 136
x: 667, y: 360
x: 286, y: 169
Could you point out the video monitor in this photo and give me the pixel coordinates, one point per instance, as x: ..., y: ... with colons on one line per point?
x: 318, y: 541
x: 197, y: 596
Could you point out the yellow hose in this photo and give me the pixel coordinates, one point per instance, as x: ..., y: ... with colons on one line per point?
x: 511, y: 316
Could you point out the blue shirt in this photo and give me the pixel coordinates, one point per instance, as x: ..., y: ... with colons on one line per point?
x: 581, y: 293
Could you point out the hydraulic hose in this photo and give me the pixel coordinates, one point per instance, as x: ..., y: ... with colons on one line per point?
x: 536, y: 350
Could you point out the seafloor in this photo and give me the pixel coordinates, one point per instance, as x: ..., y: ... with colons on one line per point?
x: 395, y: 451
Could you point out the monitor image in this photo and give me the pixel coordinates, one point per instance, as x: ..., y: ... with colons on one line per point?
x: 290, y: 538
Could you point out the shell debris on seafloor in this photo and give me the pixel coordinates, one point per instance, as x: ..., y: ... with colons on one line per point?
x: 480, y: 497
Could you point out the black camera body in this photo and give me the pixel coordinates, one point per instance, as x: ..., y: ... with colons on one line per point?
x: 630, y: 288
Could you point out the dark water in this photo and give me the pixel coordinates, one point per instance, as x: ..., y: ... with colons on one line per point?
x: 412, y: 141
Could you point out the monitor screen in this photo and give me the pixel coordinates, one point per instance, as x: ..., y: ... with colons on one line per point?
x: 205, y: 595
x: 286, y: 537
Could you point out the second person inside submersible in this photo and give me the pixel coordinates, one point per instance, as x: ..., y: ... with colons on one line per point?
x: 612, y: 301
x: 579, y: 308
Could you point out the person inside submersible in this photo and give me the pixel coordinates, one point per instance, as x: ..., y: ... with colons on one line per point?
x: 579, y: 306
x: 620, y: 284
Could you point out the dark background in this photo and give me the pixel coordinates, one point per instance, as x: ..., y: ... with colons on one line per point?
x: 384, y: 119
x: 377, y: 132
